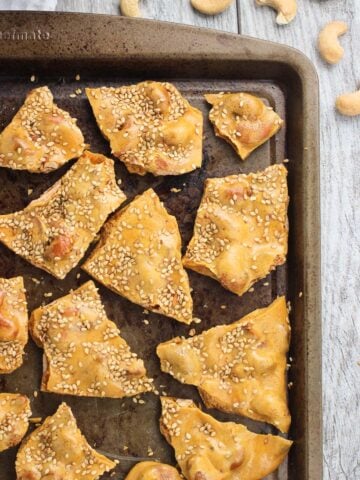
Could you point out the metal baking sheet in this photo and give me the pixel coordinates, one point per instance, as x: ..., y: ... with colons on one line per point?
x: 107, y: 50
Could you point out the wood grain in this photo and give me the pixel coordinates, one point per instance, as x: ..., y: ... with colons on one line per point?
x: 340, y: 202
x: 48, y: 5
x: 179, y: 11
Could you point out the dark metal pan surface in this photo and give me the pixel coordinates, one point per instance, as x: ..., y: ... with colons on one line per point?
x: 105, y: 50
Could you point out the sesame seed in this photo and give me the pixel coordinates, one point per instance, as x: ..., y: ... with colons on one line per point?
x: 76, y: 326
x: 145, y: 117
x: 64, y: 215
x: 130, y: 243
x: 237, y: 360
x: 39, y: 148
x: 256, y: 206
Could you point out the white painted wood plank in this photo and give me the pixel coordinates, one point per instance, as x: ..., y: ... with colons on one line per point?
x: 48, y: 5
x: 89, y: 6
x: 170, y: 10
x: 340, y: 195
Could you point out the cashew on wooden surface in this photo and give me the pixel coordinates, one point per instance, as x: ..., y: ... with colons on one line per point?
x: 130, y: 8
x: 349, y: 103
x: 286, y: 9
x: 211, y: 7
x: 328, y: 42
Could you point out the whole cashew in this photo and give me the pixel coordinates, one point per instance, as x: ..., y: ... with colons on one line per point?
x: 349, y: 103
x: 328, y: 43
x: 286, y: 9
x: 211, y: 7
x: 130, y: 8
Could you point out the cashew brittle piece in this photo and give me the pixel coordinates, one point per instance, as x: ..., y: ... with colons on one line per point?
x: 242, y: 120
x: 14, y: 419
x: 208, y: 449
x: 54, y: 231
x: 238, y: 368
x: 241, y: 228
x: 151, y: 127
x: 41, y: 137
x: 13, y: 323
x: 153, y: 471
x: 58, y: 451
x: 139, y: 257
x: 84, y: 352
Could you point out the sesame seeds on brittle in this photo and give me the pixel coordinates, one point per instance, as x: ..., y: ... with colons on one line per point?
x: 14, y: 323
x: 54, y: 231
x: 14, y: 419
x: 41, y: 137
x: 86, y: 356
x: 243, y: 120
x: 241, y: 228
x: 139, y: 257
x: 58, y: 446
x: 199, y: 440
x: 238, y: 368
x: 150, y: 126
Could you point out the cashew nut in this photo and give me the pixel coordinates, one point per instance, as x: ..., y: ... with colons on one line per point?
x: 211, y: 7
x: 349, y: 103
x: 130, y: 8
x: 328, y: 43
x: 286, y: 9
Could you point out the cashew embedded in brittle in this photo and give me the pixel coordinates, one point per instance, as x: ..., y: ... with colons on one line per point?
x: 130, y: 8
x: 349, y: 103
x: 286, y: 9
x: 328, y: 42
x: 211, y: 7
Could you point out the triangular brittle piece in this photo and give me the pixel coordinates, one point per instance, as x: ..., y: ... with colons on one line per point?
x: 238, y: 368
x: 41, y: 137
x: 242, y: 120
x: 241, y: 228
x: 151, y: 127
x: 84, y: 352
x: 13, y: 323
x: 58, y: 450
x: 54, y: 231
x: 206, y: 448
x: 14, y: 419
x: 139, y: 257
x: 153, y: 471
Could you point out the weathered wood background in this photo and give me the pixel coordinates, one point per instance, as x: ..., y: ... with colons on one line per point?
x: 340, y: 191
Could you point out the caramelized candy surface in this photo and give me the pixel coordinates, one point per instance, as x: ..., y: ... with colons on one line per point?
x: 14, y: 419
x: 150, y: 126
x: 207, y: 449
x: 241, y: 228
x: 13, y: 323
x: 41, y: 137
x: 58, y: 451
x: 153, y: 471
x: 54, y: 231
x: 139, y: 257
x: 238, y: 368
x: 242, y: 120
x: 85, y: 354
